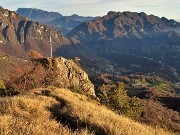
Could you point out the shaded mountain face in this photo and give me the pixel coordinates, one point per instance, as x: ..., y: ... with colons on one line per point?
x: 19, y: 35
x: 138, y: 34
x: 76, y: 17
x: 38, y: 14
x: 63, y: 23
x: 68, y: 23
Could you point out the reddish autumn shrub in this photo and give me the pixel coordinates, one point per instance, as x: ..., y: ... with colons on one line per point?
x: 35, y: 54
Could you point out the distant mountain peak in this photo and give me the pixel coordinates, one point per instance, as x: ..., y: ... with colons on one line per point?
x: 75, y: 15
x: 112, y: 12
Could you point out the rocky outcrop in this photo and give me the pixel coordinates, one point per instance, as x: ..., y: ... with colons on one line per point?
x: 58, y: 72
x: 68, y: 74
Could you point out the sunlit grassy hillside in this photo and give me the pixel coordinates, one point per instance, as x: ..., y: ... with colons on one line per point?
x: 55, y: 111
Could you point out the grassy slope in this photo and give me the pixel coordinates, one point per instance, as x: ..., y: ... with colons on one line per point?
x: 58, y: 111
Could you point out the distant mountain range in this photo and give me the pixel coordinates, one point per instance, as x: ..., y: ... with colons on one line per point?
x: 127, y: 38
x: 137, y: 34
x: 126, y: 25
x: 20, y: 35
x: 63, y: 23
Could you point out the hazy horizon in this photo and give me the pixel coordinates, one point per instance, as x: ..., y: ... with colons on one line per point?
x: 169, y: 9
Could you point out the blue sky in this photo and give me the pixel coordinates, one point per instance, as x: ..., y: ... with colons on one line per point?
x: 167, y: 8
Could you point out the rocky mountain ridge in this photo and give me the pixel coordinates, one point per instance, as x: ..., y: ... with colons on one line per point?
x: 124, y: 24
x: 38, y: 14
x: 19, y: 34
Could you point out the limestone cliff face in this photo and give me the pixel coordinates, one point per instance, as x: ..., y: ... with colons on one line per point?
x: 68, y: 74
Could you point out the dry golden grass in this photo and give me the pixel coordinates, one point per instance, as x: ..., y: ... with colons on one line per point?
x: 58, y: 111
x: 28, y: 115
